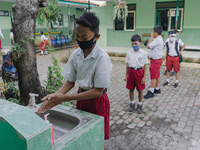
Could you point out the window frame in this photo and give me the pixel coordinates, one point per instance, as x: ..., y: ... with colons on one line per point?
x: 169, y: 9
x: 181, y: 25
x: 130, y: 11
x: 124, y: 20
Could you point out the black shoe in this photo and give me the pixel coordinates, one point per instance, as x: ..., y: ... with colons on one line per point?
x: 165, y: 73
x: 131, y: 108
x: 157, y: 91
x: 172, y: 73
x: 149, y: 95
x: 166, y: 83
x: 175, y: 85
x: 139, y: 108
x: 41, y: 54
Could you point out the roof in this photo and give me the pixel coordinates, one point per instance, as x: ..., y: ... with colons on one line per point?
x: 80, y: 1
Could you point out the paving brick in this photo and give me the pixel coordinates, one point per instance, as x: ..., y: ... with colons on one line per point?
x: 132, y: 125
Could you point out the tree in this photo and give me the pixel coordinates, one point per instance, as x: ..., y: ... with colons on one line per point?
x: 24, y: 23
x: 48, y: 14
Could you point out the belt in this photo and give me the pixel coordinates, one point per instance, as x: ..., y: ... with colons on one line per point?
x: 154, y: 59
x: 173, y: 56
x: 135, y: 68
x: 82, y: 90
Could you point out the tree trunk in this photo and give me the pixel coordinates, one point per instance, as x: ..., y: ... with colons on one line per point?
x: 24, y: 23
x: 49, y: 33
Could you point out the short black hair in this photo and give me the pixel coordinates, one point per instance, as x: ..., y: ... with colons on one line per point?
x: 11, y: 30
x: 136, y: 37
x: 89, y: 20
x: 158, y: 29
x: 176, y: 31
x: 41, y: 32
x: 171, y: 32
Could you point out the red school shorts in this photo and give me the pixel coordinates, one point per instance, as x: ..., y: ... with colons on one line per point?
x: 134, y: 80
x: 99, y: 106
x: 42, y: 46
x: 173, y: 62
x: 155, y: 68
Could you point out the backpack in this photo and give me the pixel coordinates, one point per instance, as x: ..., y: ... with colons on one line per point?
x: 177, y: 51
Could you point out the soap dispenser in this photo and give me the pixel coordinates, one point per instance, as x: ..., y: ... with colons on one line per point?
x: 47, y: 121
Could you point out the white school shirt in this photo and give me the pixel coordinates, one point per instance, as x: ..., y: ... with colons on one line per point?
x: 136, y: 59
x: 1, y: 34
x: 90, y: 72
x: 156, y: 47
x: 43, y: 37
x: 11, y: 35
x: 172, y: 50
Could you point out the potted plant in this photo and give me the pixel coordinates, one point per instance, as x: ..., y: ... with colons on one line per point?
x: 10, y: 90
x: 120, y: 10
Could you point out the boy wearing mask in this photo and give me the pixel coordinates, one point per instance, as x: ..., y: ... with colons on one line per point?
x: 172, y: 56
x: 136, y: 64
x: 91, y: 67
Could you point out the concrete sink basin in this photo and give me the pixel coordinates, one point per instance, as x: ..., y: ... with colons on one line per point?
x: 64, y: 122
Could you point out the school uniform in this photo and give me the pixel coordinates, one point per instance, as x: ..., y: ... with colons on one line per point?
x: 1, y: 36
x: 43, y: 42
x: 91, y: 72
x: 173, y: 49
x: 11, y: 37
x: 136, y: 62
x: 155, y: 55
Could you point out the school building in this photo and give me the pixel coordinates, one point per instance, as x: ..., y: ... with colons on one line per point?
x: 143, y: 15
x: 69, y: 11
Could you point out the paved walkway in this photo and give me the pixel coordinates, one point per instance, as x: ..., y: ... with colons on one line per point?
x: 170, y: 121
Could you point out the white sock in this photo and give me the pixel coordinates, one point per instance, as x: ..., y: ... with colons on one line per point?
x: 140, y: 103
x: 157, y: 88
x: 42, y: 52
x: 173, y: 69
x: 176, y: 81
x: 151, y: 89
x: 165, y: 68
x: 132, y: 102
x: 167, y: 80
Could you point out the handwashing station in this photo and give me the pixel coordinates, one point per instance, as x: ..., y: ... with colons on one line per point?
x: 64, y: 128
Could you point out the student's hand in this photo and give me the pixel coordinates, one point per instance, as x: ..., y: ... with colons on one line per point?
x: 180, y: 53
x: 51, y: 101
x: 165, y: 60
x: 4, y: 38
x: 126, y: 79
x: 152, y: 33
x: 143, y: 80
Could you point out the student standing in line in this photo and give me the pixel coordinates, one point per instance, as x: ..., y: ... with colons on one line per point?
x: 180, y: 57
x: 136, y: 64
x: 155, y: 55
x: 0, y: 37
x: 91, y: 67
x: 172, y: 56
x: 11, y: 37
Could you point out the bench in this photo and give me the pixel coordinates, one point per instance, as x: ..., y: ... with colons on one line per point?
x: 148, y: 35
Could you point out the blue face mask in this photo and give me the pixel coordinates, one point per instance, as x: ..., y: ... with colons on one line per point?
x: 135, y: 48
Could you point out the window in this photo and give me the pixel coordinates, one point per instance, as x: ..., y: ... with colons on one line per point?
x: 166, y: 15
x: 127, y: 24
x: 59, y: 22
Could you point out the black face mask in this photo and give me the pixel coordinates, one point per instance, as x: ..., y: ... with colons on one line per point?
x: 86, y: 44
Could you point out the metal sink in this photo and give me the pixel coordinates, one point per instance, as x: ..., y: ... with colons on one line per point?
x: 64, y: 122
